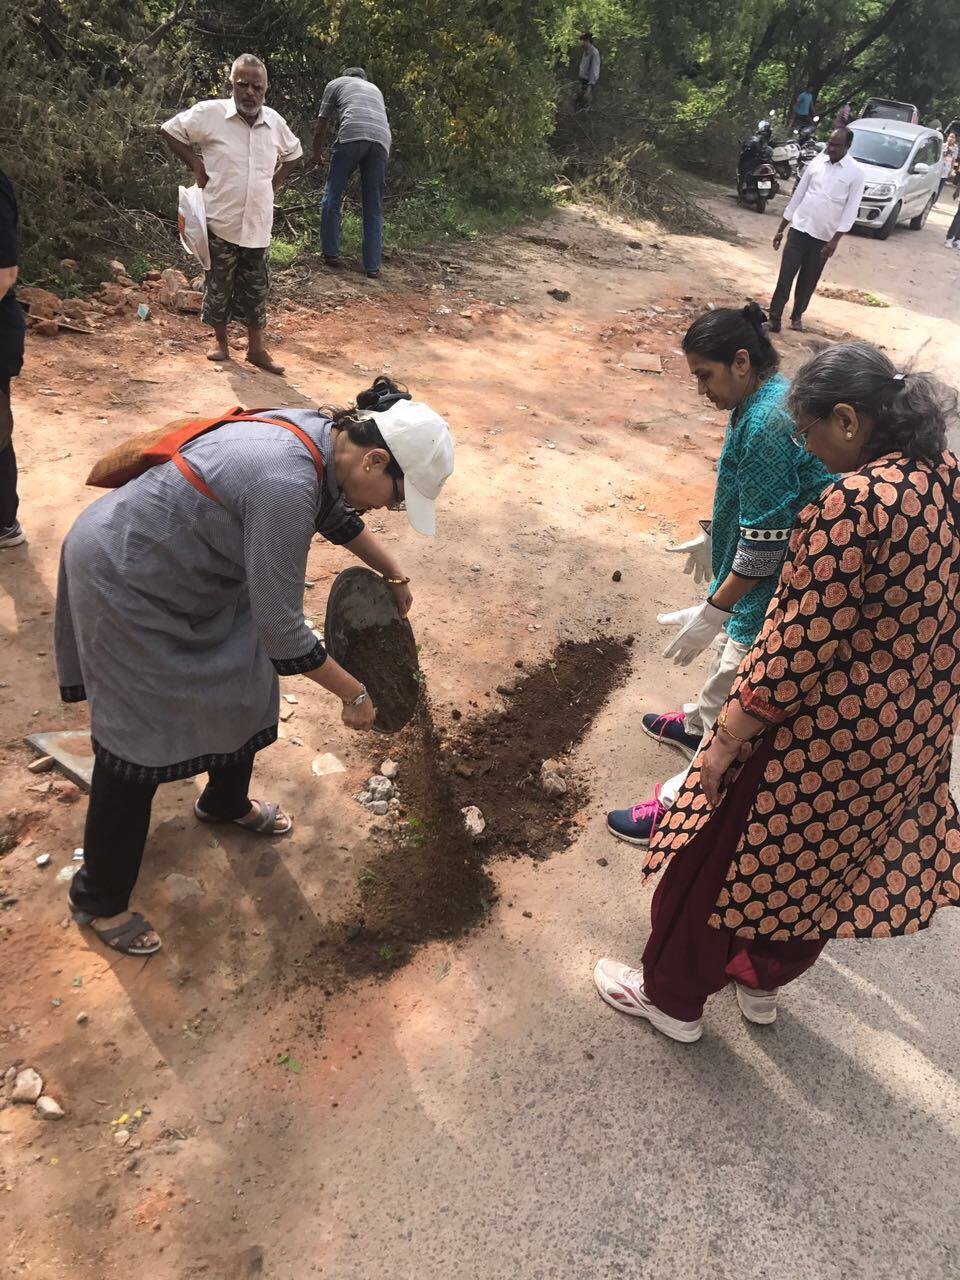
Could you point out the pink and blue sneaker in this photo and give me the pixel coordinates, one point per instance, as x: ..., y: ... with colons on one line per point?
x: 637, y: 825
x: 670, y: 729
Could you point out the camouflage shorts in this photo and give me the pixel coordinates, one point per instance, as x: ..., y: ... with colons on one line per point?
x: 236, y: 286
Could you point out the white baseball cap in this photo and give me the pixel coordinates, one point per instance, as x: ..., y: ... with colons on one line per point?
x: 421, y: 442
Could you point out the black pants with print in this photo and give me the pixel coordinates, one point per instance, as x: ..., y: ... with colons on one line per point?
x: 802, y: 261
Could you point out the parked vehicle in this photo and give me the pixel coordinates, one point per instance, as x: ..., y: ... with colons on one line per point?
x: 810, y: 147
x: 886, y: 109
x: 786, y: 158
x: 756, y: 177
x: 901, y: 164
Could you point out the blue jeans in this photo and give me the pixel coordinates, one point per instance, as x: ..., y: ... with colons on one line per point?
x: 371, y: 159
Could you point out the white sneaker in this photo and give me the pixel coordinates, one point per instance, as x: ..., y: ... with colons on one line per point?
x: 953, y: 244
x: 12, y: 536
x: 757, y: 1006
x: 622, y: 988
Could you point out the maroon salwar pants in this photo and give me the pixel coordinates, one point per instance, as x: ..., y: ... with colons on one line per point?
x: 685, y: 960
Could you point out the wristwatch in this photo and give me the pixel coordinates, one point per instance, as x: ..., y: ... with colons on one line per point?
x: 359, y: 699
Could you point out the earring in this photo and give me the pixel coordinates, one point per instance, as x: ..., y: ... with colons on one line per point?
x: 849, y: 435
x: 366, y: 468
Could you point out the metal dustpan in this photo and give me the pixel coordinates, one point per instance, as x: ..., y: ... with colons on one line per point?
x: 365, y: 633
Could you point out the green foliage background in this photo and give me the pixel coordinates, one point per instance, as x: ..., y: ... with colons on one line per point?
x: 479, y: 93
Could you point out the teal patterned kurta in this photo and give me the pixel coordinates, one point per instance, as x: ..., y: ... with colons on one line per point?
x: 764, y: 479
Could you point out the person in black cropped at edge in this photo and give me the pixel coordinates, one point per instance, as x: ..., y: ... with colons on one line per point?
x: 11, y: 361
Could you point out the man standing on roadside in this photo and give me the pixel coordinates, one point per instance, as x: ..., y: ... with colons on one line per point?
x: 589, y: 70
x: 12, y: 328
x: 803, y: 109
x: 822, y: 208
x: 362, y: 142
x: 241, y: 153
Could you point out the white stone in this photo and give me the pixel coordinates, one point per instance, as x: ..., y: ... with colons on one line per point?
x: 28, y: 1086
x: 121, y: 1137
x: 327, y: 764
x: 379, y: 807
x: 43, y: 764
x: 49, y: 1109
x: 43, y: 860
x: 473, y: 820
x: 390, y: 769
x: 552, y: 784
x: 380, y: 788
x: 67, y: 873
x: 82, y: 1017
x: 291, y: 698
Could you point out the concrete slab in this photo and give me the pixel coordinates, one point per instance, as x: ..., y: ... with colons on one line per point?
x: 72, y: 749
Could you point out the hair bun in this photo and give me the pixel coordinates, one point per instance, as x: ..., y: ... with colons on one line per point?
x: 754, y: 314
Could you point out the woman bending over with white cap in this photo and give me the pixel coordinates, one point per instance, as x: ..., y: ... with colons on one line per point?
x: 180, y: 603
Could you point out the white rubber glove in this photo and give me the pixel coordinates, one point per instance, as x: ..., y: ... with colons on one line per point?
x: 699, y: 553
x: 699, y: 627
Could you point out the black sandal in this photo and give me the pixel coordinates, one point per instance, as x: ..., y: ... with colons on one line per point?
x: 121, y: 936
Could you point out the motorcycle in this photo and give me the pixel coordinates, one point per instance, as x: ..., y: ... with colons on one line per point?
x: 810, y: 148
x: 756, y: 176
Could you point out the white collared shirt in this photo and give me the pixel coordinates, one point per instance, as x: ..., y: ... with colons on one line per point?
x: 240, y: 160
x: 827, y: 198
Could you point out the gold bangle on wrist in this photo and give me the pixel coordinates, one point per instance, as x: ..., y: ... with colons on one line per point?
x: 396, y: 582
x: 722, y: 726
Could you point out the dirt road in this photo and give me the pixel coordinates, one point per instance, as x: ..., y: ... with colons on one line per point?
x: 297, y: 1109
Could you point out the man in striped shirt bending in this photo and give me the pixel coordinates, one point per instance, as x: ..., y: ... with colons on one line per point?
x: 362, y: 142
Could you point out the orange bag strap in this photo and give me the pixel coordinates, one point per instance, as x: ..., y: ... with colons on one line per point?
x: 195, y: 429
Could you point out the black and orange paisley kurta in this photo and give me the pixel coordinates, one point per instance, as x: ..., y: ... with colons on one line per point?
x: 853, y: 831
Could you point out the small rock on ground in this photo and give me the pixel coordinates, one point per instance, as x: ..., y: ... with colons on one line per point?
x: 28, y: 1086
x: 49, y: 1109
x: 389, y: 769
x: 179, y: 889
x: 379, y: 807
x: 380, y: 788
x: 41, y: 765
x: 473, y: 820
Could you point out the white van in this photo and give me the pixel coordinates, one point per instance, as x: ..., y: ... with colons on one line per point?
x: 901, y: 163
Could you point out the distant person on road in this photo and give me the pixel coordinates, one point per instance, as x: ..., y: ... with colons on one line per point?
x: 12, y: 328
x: 950, y: 150
x: 803, y: 109
x: 362, y: 141
x: 821, y: 807
x: 763, y: 479
x: 589, y: 71
x: 823, y: 207
x: 241, y: 153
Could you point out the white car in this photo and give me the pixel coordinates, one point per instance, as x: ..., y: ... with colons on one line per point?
x: 901, y: 163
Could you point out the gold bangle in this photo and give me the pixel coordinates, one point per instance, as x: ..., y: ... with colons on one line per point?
x: 722, y: 726
x: 396, y: 582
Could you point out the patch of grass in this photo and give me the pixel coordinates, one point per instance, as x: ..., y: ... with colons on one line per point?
x: 284, y: 253
x: 428, y: 214
x: 872, y: 300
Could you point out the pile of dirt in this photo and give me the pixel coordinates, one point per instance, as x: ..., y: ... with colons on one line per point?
x: 431, y: 881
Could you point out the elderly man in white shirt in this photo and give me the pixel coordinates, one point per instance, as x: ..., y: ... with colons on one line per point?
x: 822, y: 208
x: 241, y: 152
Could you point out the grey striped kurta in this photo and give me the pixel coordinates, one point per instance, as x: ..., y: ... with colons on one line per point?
x: 175, y: 614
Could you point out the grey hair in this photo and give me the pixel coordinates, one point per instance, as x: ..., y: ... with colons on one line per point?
x: 357, y: 72
x: 911, y: 411
x: 248, y: 60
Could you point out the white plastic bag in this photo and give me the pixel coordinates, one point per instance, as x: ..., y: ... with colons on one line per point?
x: 192, y: 220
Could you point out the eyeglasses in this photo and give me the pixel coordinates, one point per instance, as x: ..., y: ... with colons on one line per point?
x: 799, y: 434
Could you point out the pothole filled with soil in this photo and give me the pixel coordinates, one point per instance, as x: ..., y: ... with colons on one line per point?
x: 430, y: 881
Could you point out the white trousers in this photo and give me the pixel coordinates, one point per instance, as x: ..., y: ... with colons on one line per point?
x: 701, y: 716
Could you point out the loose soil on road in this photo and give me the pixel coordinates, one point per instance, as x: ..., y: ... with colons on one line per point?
x: 368, y: 1050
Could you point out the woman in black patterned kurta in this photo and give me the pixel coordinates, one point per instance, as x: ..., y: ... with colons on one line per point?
x: 841, y: 824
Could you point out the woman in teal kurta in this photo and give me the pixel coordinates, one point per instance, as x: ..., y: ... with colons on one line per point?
x: 764, y: 479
